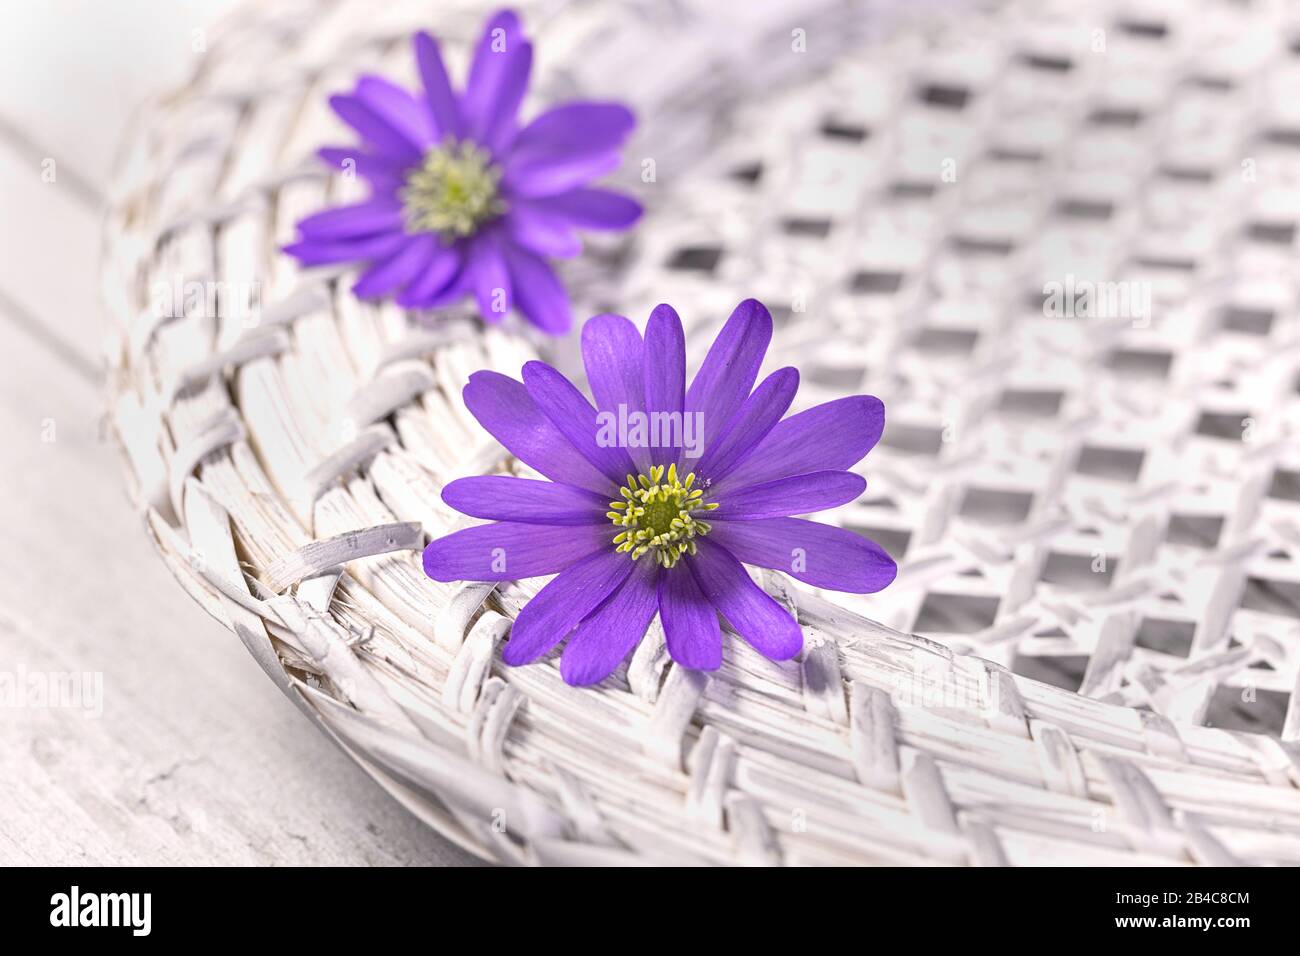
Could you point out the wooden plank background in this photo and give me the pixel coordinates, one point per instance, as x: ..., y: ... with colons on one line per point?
x: 222, y: 770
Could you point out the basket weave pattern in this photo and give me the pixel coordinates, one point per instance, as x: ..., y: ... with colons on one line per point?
x: 290, y: 467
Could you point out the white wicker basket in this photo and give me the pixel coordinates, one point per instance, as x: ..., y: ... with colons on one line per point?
x: 1109, y: 504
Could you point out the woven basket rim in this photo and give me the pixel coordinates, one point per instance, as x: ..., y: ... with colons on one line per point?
x: 310, y: 555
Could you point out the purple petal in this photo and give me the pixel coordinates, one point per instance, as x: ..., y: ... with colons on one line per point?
x: 454, y: 289
x: 399, y: 269
x: 504, y: 407
x: 611, y: 354
x: 538, y: 293
x: 573, y: 415
x: 425, y: 288
x: 509, y: 551
x: 558, y: 607
x: 800, y: 495
x: 540, y: 231
x: 351, y: 222
x: 757, y: 416
x: 386, y: 174
x: 497, y: 77
x: 503, y: 498
x: 437, y: 88
x: 398, y: 108
x: 503, y: 123
x: 664, y: 371
x: 577, y: 127
x: 815, y: 553
x: 592, y: 208
x: 605, y: 637
x: 727, y: 375
x: 490, y: 279
x: 751, y: 611
x: 830, y: 437
x: 690, y: 621
x: 314, y: 252
x: 377, y: 132
x: 555, y: 173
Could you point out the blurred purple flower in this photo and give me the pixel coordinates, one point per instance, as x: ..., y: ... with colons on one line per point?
x: 464, y: 201
x: 622, y: 519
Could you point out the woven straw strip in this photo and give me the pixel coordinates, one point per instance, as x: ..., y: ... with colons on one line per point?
x: 341, y: 549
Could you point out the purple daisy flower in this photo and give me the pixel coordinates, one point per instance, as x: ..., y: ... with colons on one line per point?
x: 622, y: 521
x: 464, y: 201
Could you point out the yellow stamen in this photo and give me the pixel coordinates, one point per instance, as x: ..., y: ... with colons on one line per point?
x: 453, y: 192
x: 657, y: 516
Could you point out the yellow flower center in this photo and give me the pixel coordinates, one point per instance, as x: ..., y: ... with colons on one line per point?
x: 656, y: 513
x: 454, y: 191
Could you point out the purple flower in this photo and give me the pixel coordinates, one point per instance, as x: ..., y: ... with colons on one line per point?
x: 659, y: 495
x: 463, y: 200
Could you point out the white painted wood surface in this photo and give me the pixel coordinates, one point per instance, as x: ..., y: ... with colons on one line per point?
x: 222, y: 772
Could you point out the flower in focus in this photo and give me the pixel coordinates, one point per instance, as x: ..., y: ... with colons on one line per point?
x: 659, y: 494
x: 463, y: 201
